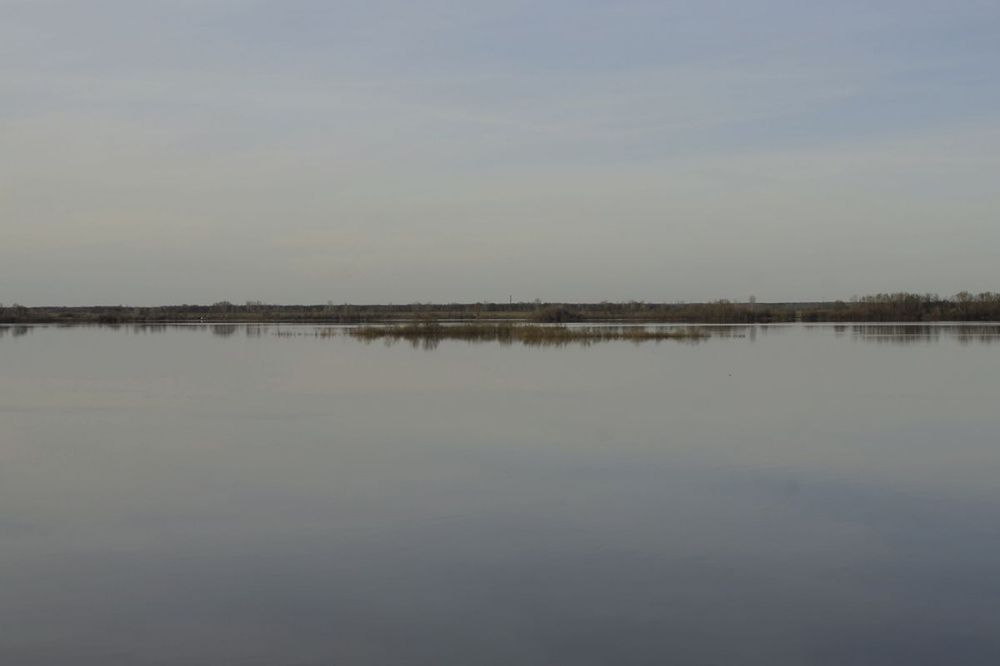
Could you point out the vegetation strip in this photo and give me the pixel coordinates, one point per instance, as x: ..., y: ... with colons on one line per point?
x: 900, y: 307
x: 527, y: 334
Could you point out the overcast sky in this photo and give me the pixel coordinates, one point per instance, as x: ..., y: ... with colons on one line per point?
x: 304, y: 151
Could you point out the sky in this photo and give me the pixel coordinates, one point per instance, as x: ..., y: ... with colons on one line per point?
x: 398, y: 151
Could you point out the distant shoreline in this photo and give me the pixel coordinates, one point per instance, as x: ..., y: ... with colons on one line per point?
x: 901, y: 307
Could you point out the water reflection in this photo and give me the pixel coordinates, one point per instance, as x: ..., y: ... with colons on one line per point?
x: 911, y: 333
x: 225, y: 330
x: 892, y: 334
x: 180, y: 495
x: 15, y: 330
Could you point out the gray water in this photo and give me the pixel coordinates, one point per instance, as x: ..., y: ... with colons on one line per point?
x: 259, y: 495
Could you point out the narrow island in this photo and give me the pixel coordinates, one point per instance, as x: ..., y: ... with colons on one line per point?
x: 428, y: 333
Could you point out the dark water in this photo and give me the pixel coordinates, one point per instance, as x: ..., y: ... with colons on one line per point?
x: 229, y: 496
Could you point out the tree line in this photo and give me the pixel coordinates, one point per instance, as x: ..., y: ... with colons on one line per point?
x: 897, y: 307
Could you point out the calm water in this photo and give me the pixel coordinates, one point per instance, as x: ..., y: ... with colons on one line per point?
x: 224, y: 495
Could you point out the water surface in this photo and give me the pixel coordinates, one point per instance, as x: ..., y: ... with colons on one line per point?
x: 265, y: 495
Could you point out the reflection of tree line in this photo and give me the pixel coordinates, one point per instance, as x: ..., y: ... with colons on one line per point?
x: 221, y: 330
x: 15, y: 331
x: 900, y: 307
x: 903, y: 333
x: 428, y: 333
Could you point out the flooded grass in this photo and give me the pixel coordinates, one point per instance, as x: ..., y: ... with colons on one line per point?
x: 429, y: 333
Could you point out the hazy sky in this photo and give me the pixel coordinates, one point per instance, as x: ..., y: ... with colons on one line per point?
x: 398, y: 151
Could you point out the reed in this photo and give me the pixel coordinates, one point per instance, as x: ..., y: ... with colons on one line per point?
x: 527, y: 334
